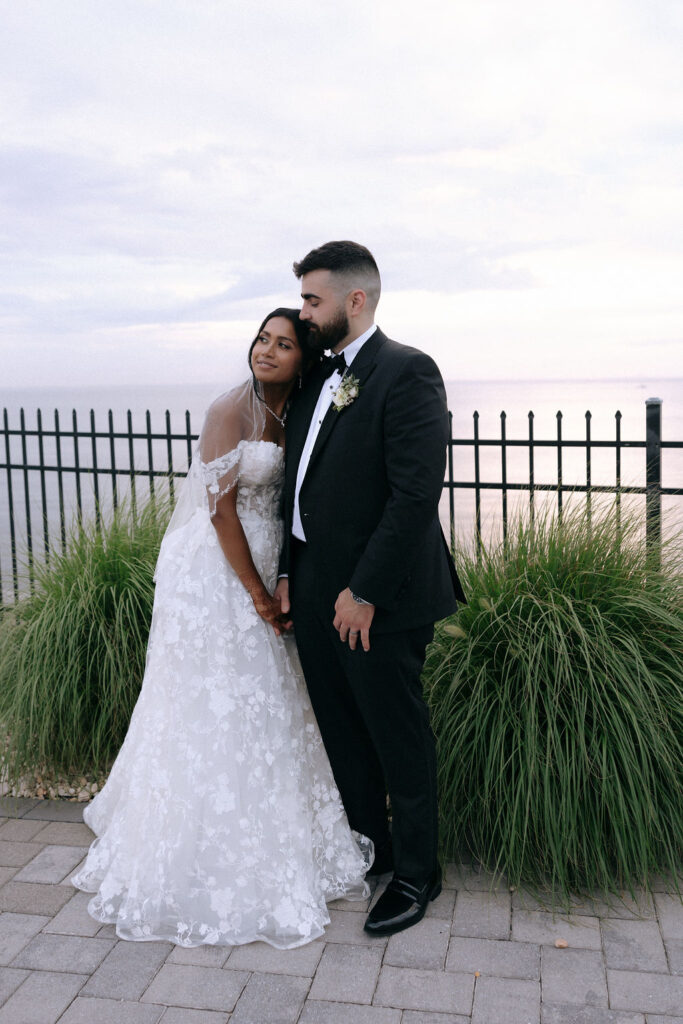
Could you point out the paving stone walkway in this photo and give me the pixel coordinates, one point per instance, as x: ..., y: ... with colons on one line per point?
x: 481, y: 956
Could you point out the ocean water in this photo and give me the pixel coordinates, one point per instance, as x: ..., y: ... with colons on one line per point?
x: 573, y: 398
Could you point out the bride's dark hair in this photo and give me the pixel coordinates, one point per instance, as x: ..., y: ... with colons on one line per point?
x: 310, y: 350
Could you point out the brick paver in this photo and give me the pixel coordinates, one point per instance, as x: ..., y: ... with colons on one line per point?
x: 482, y: 915
x: 17, y: 854
x: 670, y: 914
x: 271, y: 999
x: 64, y: 953
x: 424, y: 945
x: 61, y: 833
x: 110, y: 1011
x: 17, y: 807
x: 127, y: 970
x: 16, y: 830
x: 552, y: 1014
x: 621, y: 905
x: 74, y: 919
x: 33, y: 897
x: 674, y: 954
x: 201, y: 988
x: 573, y: 976
x: 54, y: 810
x: 178, y: 1015
x: 16, y: 931
x: 52, y: 864
x: 6, y: 874
x: 319, y: 1012
x: 545, y: 929
x: 472, y: 879
x: 491, y: 956
x: 199, y: 956
x: 649, y: 993
x: 443, y: 905
x: 348, y: 928
x: 347, y: 974
x: 484, y: 954
x: 506, y: 1001
x: 425, y: 990
x: 43, y: 996
x: 633, y: 946
x: 258, y: 956
x: 10, y: 980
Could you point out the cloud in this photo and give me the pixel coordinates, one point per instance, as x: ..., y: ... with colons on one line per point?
x: 515, y: 168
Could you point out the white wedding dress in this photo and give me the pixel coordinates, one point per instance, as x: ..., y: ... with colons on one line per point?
x: 220, y: 821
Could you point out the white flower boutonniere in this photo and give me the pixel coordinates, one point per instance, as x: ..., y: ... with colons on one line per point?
x: 347, y: 392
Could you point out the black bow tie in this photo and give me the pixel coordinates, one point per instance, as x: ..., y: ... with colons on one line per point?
x: 332, y: 363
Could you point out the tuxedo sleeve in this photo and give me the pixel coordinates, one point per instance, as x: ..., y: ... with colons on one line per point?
x: 415, y: 438
x: 283, y: 564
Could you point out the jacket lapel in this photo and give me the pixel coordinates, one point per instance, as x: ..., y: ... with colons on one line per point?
x: 361, y: 367
x: 297, y: 427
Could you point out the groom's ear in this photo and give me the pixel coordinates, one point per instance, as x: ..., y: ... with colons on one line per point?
x: 357, y: 300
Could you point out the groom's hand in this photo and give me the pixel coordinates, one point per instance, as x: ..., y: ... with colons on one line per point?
x: 281, y: 594
x: 353, y: 620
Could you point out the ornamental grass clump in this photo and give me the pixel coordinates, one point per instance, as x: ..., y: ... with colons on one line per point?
x: 557, y: 703
x: 72, y: 654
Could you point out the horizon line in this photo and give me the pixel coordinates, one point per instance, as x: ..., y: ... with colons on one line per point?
x: 447, y: 380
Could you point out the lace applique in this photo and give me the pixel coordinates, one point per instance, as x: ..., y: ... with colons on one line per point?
x: 221, y: 821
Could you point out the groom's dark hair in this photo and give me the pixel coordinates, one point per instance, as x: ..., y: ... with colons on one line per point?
x: 350, y: 261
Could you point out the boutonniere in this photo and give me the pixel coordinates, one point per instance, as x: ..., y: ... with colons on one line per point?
x: 346, y: 393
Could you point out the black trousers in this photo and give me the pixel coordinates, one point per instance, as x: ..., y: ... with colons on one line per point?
x: 373, y: 719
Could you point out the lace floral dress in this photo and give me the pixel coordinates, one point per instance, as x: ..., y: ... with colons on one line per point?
x: 220, y: 821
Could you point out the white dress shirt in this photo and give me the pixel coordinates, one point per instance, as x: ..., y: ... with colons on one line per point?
x: 324, y: 402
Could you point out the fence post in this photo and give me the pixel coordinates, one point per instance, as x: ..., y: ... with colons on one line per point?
x: 451, y: 492
x: 653, y: 477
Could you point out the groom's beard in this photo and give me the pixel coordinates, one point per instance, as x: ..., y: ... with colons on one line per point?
x: 335, y: 330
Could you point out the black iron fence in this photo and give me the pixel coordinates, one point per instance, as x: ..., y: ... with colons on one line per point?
x: 54, y: 473
x: 652, y: 446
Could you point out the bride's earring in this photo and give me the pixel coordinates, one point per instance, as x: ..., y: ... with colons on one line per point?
x: 300, y: 381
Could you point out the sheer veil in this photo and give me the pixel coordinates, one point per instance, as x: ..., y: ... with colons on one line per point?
x: 233, y: 418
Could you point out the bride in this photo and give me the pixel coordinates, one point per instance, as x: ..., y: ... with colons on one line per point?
x: 220, y: 821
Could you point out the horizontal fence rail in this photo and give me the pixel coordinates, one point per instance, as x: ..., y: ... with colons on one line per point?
x: 138, y: 461
x: 653, y: 490
x: 119, y: 461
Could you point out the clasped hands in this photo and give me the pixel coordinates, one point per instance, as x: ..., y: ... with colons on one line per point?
x: 273, y: 608
x: 351, y: 620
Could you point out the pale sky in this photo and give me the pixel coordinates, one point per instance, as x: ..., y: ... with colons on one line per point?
x: 516, y: 168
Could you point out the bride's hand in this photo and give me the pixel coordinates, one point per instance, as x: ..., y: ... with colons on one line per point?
x: 269, y: 609
x: 267, y: 606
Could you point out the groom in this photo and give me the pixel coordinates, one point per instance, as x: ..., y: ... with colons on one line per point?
x: 369, y: 571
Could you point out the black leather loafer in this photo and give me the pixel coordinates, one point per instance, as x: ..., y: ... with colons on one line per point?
x: 402, y: 904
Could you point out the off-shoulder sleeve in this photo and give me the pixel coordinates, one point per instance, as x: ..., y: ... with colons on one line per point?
x: 220, y: 447
x: 231, y: 420
x: 237, y: 416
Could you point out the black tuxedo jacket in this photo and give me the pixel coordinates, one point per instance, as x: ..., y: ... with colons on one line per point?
x: 369, y: 500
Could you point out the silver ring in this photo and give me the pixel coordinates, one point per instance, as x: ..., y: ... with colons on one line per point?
x: 354, y: 632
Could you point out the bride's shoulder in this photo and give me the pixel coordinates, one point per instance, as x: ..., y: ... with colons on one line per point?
x: 233, y: 419
x: 232, y: 410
